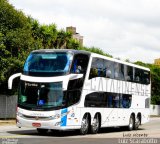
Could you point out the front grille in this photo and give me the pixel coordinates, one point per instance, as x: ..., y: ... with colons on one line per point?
x: 36, y: 117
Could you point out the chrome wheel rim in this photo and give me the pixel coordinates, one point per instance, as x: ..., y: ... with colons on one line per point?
x: 131, y: 123
x: 84, y: 126
x: 137, y: 122
x: 95, y: 124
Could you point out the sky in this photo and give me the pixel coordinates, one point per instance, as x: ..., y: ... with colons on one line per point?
x: 126, y: 29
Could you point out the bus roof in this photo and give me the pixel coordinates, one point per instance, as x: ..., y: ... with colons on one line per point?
x: 62, y: 50
x: 89, y: 53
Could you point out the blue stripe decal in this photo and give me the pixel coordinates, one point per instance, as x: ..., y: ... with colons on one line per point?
x: 64, y: 118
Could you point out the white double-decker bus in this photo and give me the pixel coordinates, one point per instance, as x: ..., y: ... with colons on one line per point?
x: 71, y: 89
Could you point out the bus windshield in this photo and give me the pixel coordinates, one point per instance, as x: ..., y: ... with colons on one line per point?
x: 48, y: 64
x: 45, y: 96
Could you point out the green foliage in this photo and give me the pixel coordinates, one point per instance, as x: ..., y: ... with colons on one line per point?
x: 72, y: 44
x: 94, y: 50
x: 11, y: 18
x: 15, y: 41
x: 155, y: 100
x: 62, y: 39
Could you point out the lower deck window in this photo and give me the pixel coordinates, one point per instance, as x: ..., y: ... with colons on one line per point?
x: 108, y: 100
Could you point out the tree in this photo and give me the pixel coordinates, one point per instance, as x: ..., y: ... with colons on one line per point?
x: 95, y: 50
x: 63, y: 38
x: 72, y: 44
x: 10, y: 18
x: 15, y: 41
x: 48, y: 34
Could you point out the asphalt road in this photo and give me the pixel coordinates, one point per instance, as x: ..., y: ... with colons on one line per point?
x: 148, y: 133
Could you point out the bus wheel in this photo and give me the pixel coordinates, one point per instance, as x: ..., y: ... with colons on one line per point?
x: 54, y: 131
x: 131, y: 123
x: 96, y: 124
x: 84, y: 125
x: 137, y: 123
x: 42, y: 131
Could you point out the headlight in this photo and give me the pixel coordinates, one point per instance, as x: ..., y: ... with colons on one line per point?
x: 19, y: 114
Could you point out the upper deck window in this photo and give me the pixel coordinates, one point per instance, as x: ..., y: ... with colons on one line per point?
x: 48, y: 64
x: 118, y: 71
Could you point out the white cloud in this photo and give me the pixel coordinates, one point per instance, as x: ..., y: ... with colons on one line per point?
x: 122, y: 28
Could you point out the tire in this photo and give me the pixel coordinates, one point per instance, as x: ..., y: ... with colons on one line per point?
x: 137, y: 123
x: 84, y: 125
x: 96, y: 125
x: 131, y: 123
x: 54, y: 131
x: 42, y: 131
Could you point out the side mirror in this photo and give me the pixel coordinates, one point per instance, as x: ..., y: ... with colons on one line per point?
x: 11, y: 78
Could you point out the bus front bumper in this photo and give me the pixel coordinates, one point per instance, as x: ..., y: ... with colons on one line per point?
x: 56, y: 124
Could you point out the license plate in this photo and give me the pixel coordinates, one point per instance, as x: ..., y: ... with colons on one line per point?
x: 36, y: 124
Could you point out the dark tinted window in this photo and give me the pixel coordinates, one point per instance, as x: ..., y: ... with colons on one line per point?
x: 108, y: 100
x: 118, y: 71
x: 128, y: 73
x: 80, y: 63
x: 48, y: 64
x: 141, y: 76
x: 145, y: 77
x: 40, y: 95
x: 137, y: 75
x: 46, y: 96
x: 95, y: 100
x: 71, y: 97
x: 97, y: 68
x: 108, y: 69
x: 125, y: 101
